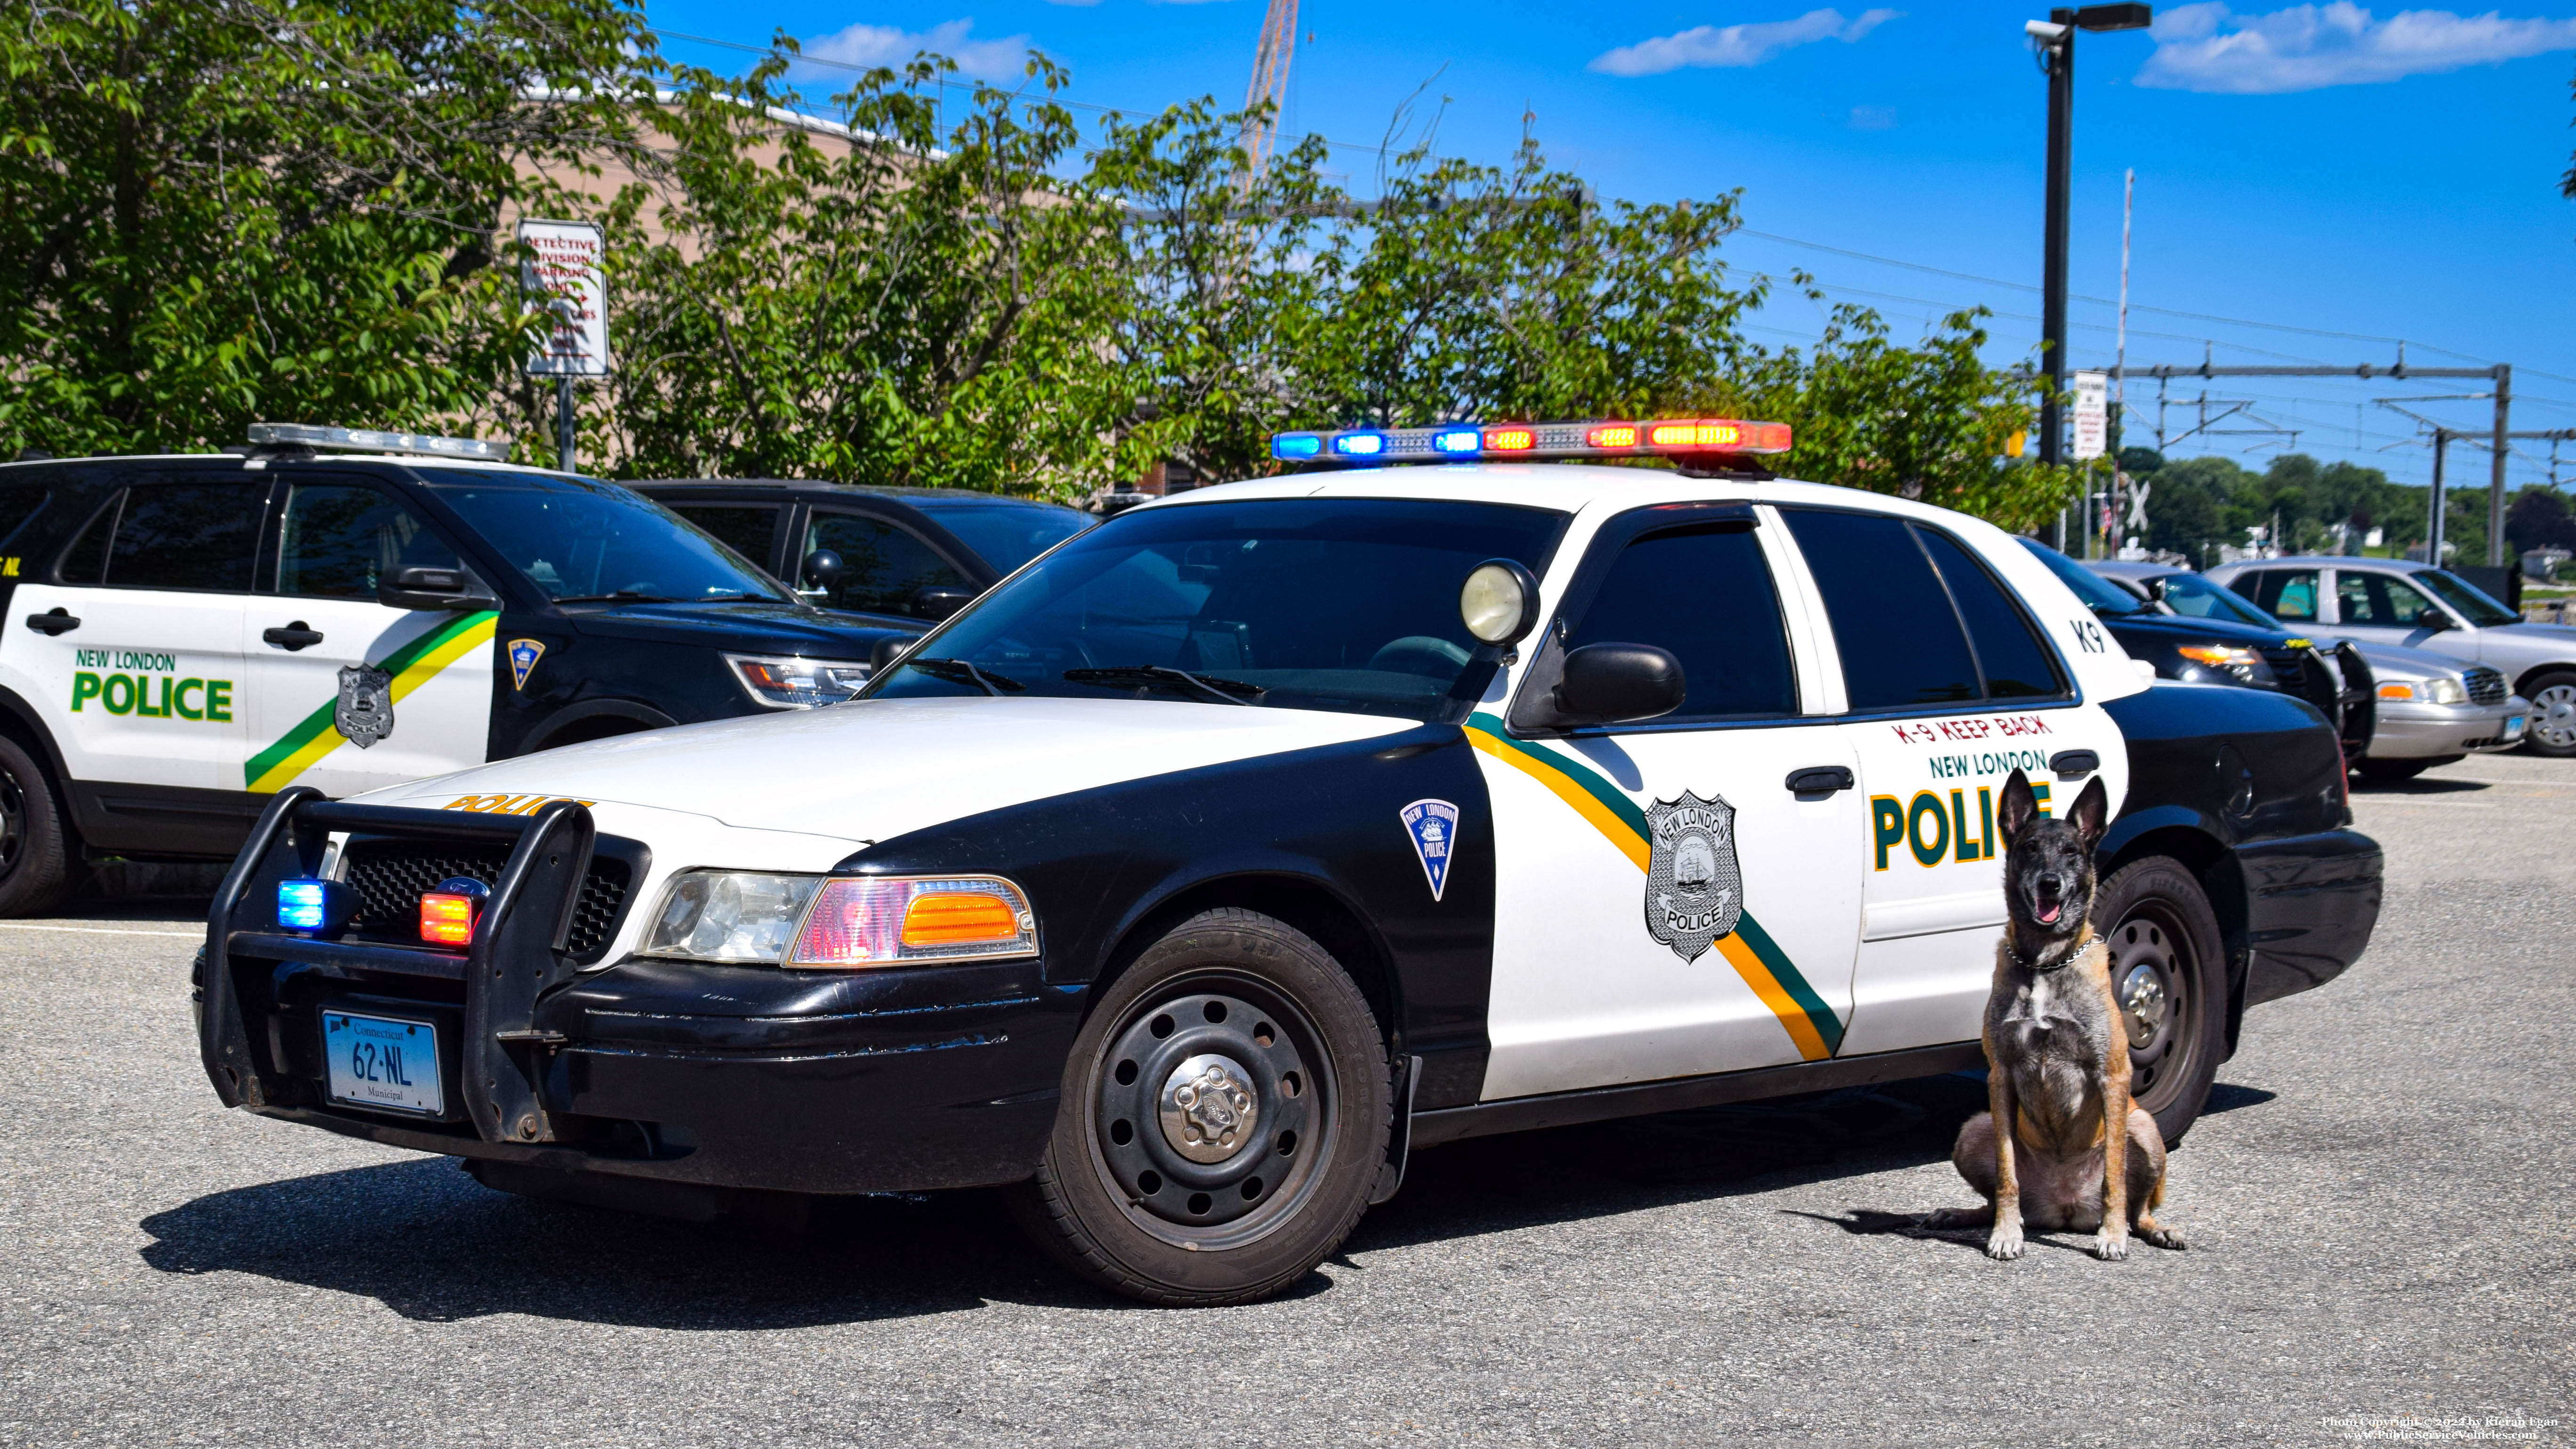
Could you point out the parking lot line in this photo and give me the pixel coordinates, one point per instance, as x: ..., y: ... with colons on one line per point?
x: 101, y: 930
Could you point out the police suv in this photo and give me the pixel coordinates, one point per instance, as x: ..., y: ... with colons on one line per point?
x: 1213, y: 861
x: 181, y: 637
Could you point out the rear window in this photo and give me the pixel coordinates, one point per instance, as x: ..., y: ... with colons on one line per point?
x: 173, y: 536
x: 1917, y: 619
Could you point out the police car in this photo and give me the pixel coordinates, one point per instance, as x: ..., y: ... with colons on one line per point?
x: 181, y: 637
x: 1228, y: 852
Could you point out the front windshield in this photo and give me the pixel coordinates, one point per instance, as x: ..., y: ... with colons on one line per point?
x: 2198, y: 598
x: 2098, y: 593
x: 2470, y: 600
x: 1327, y: 603
x: 1007, y: 535
x: 581, y: 540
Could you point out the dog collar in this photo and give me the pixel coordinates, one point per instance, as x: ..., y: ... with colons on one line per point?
x: 2074, y: 949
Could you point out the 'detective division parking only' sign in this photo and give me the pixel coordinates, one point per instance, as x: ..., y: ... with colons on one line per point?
x: 563, y: 273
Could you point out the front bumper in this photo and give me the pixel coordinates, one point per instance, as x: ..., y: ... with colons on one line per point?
x: 723, y: 1076
x: 2416, y: 731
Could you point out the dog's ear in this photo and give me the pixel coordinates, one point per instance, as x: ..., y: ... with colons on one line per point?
x: 2013, y: 813
x: 2091, y: 812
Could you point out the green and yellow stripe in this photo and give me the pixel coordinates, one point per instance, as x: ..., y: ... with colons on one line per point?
x: 1775, y: 979
x: 412, y: 666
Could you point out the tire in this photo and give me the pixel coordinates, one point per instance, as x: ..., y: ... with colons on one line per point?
x: 2169, y: 975
x: 2553, y: 715
x: 1145, y: 1188
x: 35, y: 855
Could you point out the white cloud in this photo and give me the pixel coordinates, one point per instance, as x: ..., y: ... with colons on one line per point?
x: 887, y: 45
x: 1873, y: 118
x: 1737, y: 45
x: 2207, y: 47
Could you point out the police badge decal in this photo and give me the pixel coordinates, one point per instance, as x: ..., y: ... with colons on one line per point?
x: 1694, y: 884
x: 365, y: 711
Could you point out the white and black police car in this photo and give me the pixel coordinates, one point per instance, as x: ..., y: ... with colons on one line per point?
x: 1230, y: 851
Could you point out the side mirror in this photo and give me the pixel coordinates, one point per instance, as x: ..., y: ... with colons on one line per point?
x: 2435, y: 621
x: 1613, y: 683
x: 882, y: 653
x: 2156, y: 589
x: 938, y: 602
x: 450, y: 590
x: 821, y: 569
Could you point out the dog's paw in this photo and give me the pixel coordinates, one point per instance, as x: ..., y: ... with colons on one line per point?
x: 2168, y: 1238
x: 2004, y: 1244
x: 2110, y: 1247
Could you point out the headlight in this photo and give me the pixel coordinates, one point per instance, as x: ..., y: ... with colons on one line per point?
x: 2220, y: 656
x: 2398, y: 693
x: 2447, y: 691
x: 796, y: 683
x: 729, y: 915
x: 811, y: 921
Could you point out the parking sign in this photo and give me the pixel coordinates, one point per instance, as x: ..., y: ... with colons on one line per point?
x: 564, y: 275
x: 2092, y: 414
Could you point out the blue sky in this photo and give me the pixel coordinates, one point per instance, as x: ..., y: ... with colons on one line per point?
x: 2384, y: 173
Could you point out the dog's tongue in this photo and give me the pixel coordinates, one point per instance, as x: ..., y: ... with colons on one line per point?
x: 2047, y: 914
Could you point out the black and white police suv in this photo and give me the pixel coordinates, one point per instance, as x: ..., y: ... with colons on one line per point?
x: 183, y: 636
x: 1231, y: 850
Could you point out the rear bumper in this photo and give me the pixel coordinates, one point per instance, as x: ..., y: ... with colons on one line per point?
x: 2311, y: 902
x: 721, y: 1076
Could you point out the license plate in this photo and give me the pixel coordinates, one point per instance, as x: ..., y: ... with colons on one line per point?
x: 2513, y: 727
x: 383, y: 1063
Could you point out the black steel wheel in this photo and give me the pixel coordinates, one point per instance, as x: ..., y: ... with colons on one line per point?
x: 1224, y: 1117
x: 2552, y: 730
x: 34, y: 866
x: 2169, y: 980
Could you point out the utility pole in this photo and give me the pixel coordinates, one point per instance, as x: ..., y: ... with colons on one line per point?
x: 2433, y: 531
x: 2495, y: 469
x: 2056, y: 45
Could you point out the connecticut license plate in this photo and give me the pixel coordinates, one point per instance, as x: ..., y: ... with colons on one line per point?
x: 382, y: 1063
x: 2514, y: 725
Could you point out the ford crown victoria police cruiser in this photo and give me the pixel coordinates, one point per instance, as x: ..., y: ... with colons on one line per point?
x: 1229, y: 851
x: 183, y: 636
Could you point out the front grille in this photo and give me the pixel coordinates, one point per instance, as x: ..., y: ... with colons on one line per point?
x: 2486, y: 686
x: 2302, y: 673
x: 389, y: 876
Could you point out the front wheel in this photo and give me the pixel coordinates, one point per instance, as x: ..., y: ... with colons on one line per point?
x: 2169, y: 978
x: 35, y: 855
x: 1224, y: 1117
x: 2553, y: 716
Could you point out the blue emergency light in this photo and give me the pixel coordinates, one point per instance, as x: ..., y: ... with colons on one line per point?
x: 1455, y: 441
x: 314, y: 906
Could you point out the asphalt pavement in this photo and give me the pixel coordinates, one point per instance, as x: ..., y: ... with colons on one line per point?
x: 2380, y: 1249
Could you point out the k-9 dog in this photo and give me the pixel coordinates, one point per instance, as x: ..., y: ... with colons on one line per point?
x: 2057, y: 1057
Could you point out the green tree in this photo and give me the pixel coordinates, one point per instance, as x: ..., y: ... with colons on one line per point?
x: 215, y: 211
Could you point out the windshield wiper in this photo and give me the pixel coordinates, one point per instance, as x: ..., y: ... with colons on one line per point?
x: 622, y: 596
x: 1223, y: 691
x: 959, y: 671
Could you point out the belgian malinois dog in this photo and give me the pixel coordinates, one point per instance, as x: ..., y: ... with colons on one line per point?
x: 2079, y: 1154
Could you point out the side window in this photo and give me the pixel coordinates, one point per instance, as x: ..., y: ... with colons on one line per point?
x: 747, y: 529
x: 1706, y: 595
x: 2287, y: 593
x: 342, y: 538
x: 882, y: 566
x: 173, y: 536
x: 1899, y: 638
x: 21, y: 504
x: 2379, y: 599
x: 2016, y: 665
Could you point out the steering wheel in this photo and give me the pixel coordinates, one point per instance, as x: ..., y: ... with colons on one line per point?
x: 1422, y: 654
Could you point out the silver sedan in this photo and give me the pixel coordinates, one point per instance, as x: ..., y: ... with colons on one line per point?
x: 2393, y: 601
x: 2430, y: 710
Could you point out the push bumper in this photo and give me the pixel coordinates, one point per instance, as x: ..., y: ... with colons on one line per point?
x: 2419, y: 731
x: 2311, y: 902
x: 721, y: 1076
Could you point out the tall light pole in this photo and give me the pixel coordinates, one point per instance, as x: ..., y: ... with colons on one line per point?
x: 2056, y: 38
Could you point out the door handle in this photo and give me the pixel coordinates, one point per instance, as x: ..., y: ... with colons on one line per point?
x: 294, y: 636
x: 2074, y: 762
x: 1820, y: 780
x: 57, y: 620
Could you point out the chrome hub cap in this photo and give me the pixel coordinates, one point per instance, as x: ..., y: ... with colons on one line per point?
x: 1208, y: 1109
x: 2553, y: 716
x: 2142, y: 1005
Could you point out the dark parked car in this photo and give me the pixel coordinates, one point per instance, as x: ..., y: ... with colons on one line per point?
x: 910, y: 553
x: 2215, y: 648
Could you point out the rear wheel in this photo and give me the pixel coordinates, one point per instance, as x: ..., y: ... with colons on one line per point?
x: 2553, y: 715
x: 35, y: 870
x: 2168, y: 978
x: 1224, y: 1117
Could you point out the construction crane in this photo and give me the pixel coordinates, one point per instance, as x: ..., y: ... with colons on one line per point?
x: 1269, y: 83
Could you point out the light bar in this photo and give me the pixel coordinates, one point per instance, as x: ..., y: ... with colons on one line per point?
x: 1465, y: 442
x: 368, y: 440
